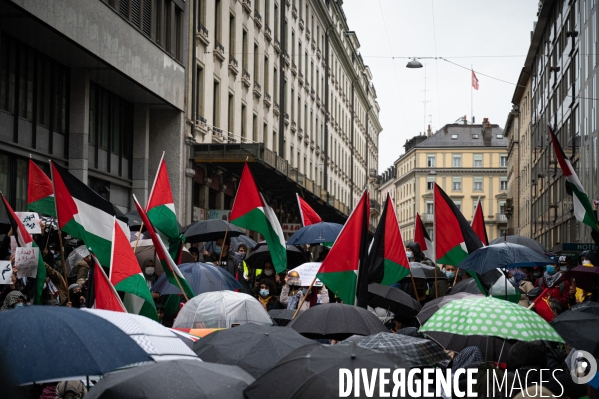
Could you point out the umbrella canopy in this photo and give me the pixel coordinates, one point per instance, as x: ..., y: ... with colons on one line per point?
x: 316, y: 233
x: 202, y: 277
x: 282, y: 317
x: 157, y: 341
x: 426, y: 272
x: 60, y: 343
x: 75, y: 257
x: 312, y: 371
x: 433, y: 306
x: 210, y: 230
x: 585, y: 276
x: 579, y: 330
x: 4, y: 225
x: 220, y: 309
x: 133, y: 219
x: 587, y: 307
x: 520, y: 240
x: 494, y: 349
x: 503, y: 255
x: 488, y: 316
x: 145, y: 251
x: 465, y: 286
x: 336, y: 321
x: 242, y: 239
x: 393, y: 299
x: 181, y: 379
x: 261, y: 254
x: 416, y: 352
x: 253, y: 347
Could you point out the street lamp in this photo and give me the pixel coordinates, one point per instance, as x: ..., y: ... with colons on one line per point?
x: 414, y: 64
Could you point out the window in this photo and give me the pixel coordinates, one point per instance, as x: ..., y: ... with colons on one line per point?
x: 503, y: 183
x: 430, y: 161
x: 478, y: 160
x: 13, y: 180
x: 502, y: 207
x: 499, y: 136
x: 478, y: 184
x: 457, y: 184
x: 429, y: 207
x: 458, y: 205
x: 454, y: 136
x: 457, y: 160
x: 475, y: 136
x: 503, y: 161
x: 244, y: 50
x: 430, y: 183
x: 199, y: 111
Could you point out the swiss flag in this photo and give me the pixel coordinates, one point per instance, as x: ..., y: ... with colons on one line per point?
x: 474, y: 81
x: 309, y: 216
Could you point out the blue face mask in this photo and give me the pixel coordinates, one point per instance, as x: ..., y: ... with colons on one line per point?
x: 217, y: 249
x: 450, y: 275
x: 550, y: 269
x: 264, y: 293
x: 19, y: 305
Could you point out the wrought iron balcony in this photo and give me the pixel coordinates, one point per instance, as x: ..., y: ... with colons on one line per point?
x: 202, y: 34
x: 219, y: 50
x: 245, y: 78
x: 257, y: 19
x: 267, y: 32
x: 277, y: 45
x: 257, y: 90
x: 267, y: 100
x: 233, y: 65
x: 247, y: 5
x: 300, y: 78
x: 301, y: 23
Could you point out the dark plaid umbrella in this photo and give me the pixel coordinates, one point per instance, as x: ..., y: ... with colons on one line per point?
x: 59, y: 343
x: 312, y: 371
x: 416, y: 352
x: 393, y: 299
x: 426, y: 272
x: 579, y: 330
x: 261, y: 254
x: 520, y: 240
x: 283, y: 316
x: 316, y: 233
x: 465, y: 286
x: 253, y: 347
x: 431, y: 307
x: 336, y: 321
x: 202, y: 277
x: 503, y: 255
x: 587, y: 307
x: 181, y: 379
x: 585, y: 276
x: 492, y: 347
x: 209, y: 230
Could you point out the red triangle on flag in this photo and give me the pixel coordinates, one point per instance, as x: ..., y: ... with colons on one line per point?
x: 106, y: 296
x: 66, y: 209
x: 161, y: 190
x: 478, y: 224
x: 124, y: 263
x: 39, y: 186
x: 309, y: 216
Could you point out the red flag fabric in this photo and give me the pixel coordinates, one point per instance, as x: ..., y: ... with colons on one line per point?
x: 474, y: 81
x: 106, y: 296
x: 422, y: 238
x: 478, y: 224
x: 542, y: 306
x: 309, y: 216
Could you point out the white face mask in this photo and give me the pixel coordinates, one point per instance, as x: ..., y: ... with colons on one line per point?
x: 586, y: 262
x: 268, y: 272
x: 150, y: 270
x: 409, y: 254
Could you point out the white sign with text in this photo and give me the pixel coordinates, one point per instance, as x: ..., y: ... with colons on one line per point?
x: 26, y: 260
x: 5, y: 272
x: 31, y: 221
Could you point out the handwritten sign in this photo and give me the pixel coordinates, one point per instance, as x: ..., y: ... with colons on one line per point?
x: 31, y: 221
x: 5, y: 272
x: 26, y: 260
x: 307, y: 272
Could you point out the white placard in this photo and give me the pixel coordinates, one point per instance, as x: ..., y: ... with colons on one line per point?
x: 26, y: 260
x: 31, y: 221
x: 5, y: 272
x: 307, y: 272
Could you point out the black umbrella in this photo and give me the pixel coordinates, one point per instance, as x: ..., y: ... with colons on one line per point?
x: 431, y: 307
x: 253, y: 347
x: 393, y: 299
x: 4, y: 225
x: 261, y: 254
x: 181, y: 379
x: 59, y: 343
x: 282, y: 317
x: 312, y: 371
x: 520, y: 240
x: 585, y: 276
x: 426, y: 272
x: 587, y: 307
x: 336, y: 321
x: 465, y: 286
x: 209, y: 230
x: 503, y: 255
x: 133, y: 219
x: 317, y: 233
x: 579, y: 330
x: 493, y: 347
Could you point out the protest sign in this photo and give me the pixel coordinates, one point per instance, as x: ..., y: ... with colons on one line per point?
x: 307, y: 272
x: 26, y: 259
x: 5, y: 272
x: 31, y: 221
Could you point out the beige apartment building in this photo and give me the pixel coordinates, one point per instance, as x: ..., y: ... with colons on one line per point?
x: 468, y: 161
x: 281, y: 84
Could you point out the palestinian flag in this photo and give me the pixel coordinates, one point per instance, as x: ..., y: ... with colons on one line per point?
x: 102, y: 294
x: 251, y: 212
x: 387, y: 260
x: 308, y: 215
x: 583, y: 210
x: 454, y: 237
x: 168, y: 265
x: 347, y: 258
x: 161, y: 210
x: 25, y: 240
x: 542, y: 306
x: 125, y: 276
x: 82, y: 213
x: 40, y: 195
x: 423, y: 239
x: 478, y: 224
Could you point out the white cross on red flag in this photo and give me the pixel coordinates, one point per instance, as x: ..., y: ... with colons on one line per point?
x: 474, y: 81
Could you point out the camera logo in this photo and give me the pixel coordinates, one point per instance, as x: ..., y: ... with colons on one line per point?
x: 583, y: 367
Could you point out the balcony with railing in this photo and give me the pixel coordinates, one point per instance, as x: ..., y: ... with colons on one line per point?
x: 257, y: 90
x: 202, y: 34
x: 312, y: 94
x: 233, y: 65
x: 294, y: 69
x: 300, y: 133
x: 293, y: 126
x: 200, y: 125
x: 257, y: 19
x: 427, y: 217
x: 308, y: 34
x: 501, y: 218
x: 267, y: 32
x: 286, y: 58
x: 275, y: 109
x: 277, y: 45
x: 312, y: 144
x: 286, y: 119
x: 245, y: 78
x: 267, y: 100
x: 300, y: 78
x: 313, y: 42
x: 294, y: 12
x: 247, y: 5
x: 301, y: 23
x: 219, y: 50
x: 318, y: 53
x: 318, y: 101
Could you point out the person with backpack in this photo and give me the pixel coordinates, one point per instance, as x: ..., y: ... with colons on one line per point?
x: 559, y: 286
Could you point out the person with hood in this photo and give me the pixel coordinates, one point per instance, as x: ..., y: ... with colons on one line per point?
x: 266, y: 295
x: 518, y: 279
x: 70, y: 390
x: 268, y: 273
x: 81, y: 269
x: 415, y: 254
x: 149, y: 273
x: 14, y: 299
x: 559, y: 286
x: 225, y: 258
x: 77, y: 297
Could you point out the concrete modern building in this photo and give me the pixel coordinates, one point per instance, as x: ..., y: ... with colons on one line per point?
x: 98, y: 86
x: 467, y: 161
x: 281, y: 84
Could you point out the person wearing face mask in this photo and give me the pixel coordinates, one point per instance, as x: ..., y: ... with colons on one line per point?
x: 14, y: 299
x: 293, y: 292
x: 77, y: 297
x: 266, y: 295
x: 450, y: 272
x: 225, y: 258
x: 149, y: 273
x: 268, y: 273
x: 517, y: 278
x: 558, y: 286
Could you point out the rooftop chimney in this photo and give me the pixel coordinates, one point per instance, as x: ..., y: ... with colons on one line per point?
x: 465, y: 120
x: 428, y: 131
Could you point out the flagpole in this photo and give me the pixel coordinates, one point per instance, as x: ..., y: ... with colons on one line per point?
x: 414, y: 286
x: 304, y: 298
x: 471, y: 94
x: 436, y: 289
x: 224, y: 241
x: 138, y: 236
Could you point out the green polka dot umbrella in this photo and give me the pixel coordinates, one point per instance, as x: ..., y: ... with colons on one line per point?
x: 488, y: 316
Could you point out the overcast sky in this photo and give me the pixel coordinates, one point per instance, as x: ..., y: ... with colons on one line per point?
x: 492, y: 36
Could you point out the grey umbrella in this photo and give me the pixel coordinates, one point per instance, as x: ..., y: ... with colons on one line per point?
x: 502, y: 255
x: 431, y: 307
x: 520, y: 240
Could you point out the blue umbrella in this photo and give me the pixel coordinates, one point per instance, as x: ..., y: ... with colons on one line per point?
x: 58, y: 343
x: 316, y: 233
x: 503, y: 255
x: 202, y: 277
